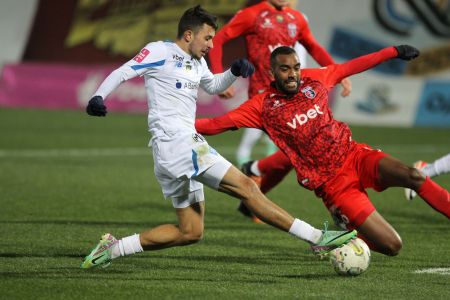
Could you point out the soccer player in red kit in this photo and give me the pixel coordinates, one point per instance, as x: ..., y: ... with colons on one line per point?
x: 265, y: 26
x: 295, y: 114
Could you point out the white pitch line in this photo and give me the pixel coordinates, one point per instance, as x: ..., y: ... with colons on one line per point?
x: 143, y: 151
x: 440, y: 271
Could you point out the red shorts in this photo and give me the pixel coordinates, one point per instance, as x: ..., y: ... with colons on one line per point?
x: 344, y: 195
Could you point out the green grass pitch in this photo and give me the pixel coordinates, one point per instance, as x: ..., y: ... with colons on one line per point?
x: 66, y: 178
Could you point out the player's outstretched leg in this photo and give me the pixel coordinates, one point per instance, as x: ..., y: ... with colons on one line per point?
x: 240, y: 186
x: 101, y: 255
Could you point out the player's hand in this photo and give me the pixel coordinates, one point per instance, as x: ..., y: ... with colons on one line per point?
x: 228, y: 93
x: 346, y: 86
x: 96, y: 107
x: 406, y: 52
x: 242, y: 67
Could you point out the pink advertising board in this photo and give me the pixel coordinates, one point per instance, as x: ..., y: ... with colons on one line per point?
x: 49, y: 86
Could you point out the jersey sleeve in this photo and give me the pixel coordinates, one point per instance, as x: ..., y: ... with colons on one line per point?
x: 307, y: 40
x: 150, y: 58
x: 215, y: 83
x: 240, y: 24
x: 333, y: 74
x: 246, y: 115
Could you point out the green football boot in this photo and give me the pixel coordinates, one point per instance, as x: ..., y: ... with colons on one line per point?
x: 331, y: 240
x: 101, y: 254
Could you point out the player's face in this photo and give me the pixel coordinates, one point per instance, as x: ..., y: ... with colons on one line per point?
x: 201, y: 41
x: 279, y: 3
x: 287, y: 73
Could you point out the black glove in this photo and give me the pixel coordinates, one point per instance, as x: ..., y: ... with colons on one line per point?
x: 406, y: 52
x: 96, y: 107
x: 242, y: 67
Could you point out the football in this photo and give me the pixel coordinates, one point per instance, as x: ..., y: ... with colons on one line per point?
x: 351, y: 259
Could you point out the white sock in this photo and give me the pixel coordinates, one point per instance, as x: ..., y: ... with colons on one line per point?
x: 127, y: 246
x: 438, y: 167
x: 305, y: 231
x: 254, y: 168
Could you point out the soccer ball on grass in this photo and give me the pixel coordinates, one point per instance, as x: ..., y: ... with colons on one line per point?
x: 351, y: 259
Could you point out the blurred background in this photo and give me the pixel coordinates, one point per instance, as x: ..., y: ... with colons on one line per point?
x: 56, y: 53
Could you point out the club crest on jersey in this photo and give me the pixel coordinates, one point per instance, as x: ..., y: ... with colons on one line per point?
x: 188, y: 66
x: 292, y: 30
x: 141, y: 55
x: 309, y: 92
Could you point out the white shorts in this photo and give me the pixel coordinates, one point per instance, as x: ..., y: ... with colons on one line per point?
x: 182, y: 163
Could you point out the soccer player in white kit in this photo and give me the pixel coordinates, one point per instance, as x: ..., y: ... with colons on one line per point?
x: 183, y: 160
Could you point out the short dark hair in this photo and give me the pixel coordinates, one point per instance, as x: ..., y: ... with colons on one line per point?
x: 282, y: 50
x: 194, y: 18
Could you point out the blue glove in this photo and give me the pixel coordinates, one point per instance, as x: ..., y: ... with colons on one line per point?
x: 242, y: 67
x: 96, y: 107
x: 407, y: 52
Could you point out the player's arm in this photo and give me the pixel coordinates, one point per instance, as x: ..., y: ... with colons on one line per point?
x: 246, y: 115
x: 239, y: 25
x: 217, y: 83
x: 320, y: 55
x: 139, y: 65
x: 335, y: 73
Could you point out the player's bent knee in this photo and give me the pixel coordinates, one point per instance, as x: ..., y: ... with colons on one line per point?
x: 192, y: 237
x: 415, y: 176
x: 393, y: 247
x: 249, y: 187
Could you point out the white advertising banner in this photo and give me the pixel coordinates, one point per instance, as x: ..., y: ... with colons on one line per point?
x: 396, y: 93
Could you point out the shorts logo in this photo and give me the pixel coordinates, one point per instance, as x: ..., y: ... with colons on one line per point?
x: 309, y: 92
x: 292, y: 30
x: 142, y: 55
x: 198, y: 138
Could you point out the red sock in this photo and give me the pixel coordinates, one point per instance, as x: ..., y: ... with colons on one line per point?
x: 274, y: 168
x: 436, y: 196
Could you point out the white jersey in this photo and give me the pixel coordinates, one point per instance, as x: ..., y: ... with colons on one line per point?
x: 172, y: 78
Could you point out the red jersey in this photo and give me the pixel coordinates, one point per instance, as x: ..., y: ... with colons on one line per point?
x: 266, y: 28
x: 302, y: 126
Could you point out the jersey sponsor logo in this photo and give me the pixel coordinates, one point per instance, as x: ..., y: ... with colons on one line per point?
x: 301, y: 119
x: 176, y: 57
x: 141, y: 55
x: 191, y: 85
x: 187, y: 85
x: 309, y: 92
x: 292, y: 30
